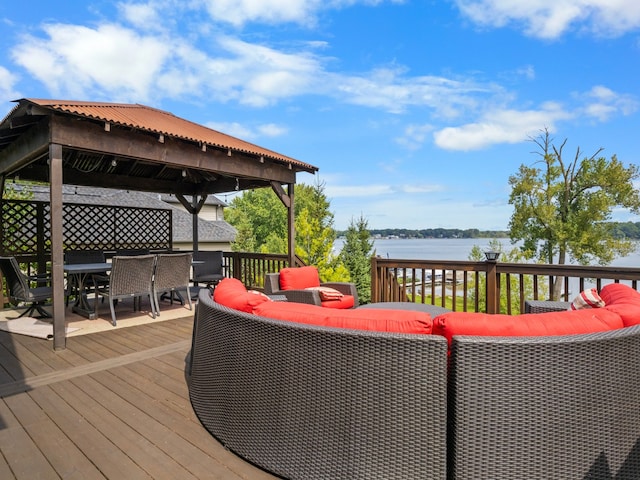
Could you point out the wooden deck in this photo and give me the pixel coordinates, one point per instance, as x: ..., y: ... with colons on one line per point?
x: 112, y: 405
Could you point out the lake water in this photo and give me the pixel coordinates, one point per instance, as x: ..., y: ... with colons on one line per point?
x: 452, y: 249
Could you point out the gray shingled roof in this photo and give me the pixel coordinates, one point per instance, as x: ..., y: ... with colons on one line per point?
x: 208, y: 231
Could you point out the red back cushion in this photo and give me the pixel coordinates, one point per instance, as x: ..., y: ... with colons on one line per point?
x: 623, y: 300
x: 232, y: 293
x: 529, y: 324
x: 298, y: 278
x: 368, y: 319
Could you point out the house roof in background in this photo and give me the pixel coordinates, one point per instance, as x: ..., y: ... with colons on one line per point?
x: 208, y: 231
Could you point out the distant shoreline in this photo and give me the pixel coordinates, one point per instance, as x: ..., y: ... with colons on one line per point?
x: 629, y: 230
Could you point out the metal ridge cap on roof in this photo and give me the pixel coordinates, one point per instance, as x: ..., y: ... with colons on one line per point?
x: 186, y: 129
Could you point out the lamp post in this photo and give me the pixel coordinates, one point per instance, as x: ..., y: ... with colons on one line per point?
x: 493, y: 295
x: 492, y: 256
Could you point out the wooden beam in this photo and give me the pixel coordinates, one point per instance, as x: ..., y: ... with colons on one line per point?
x: 57, y: 255
x: 31, y: 145
x: 291, y: 217
x: 85, y: 135
x: 281, y: 194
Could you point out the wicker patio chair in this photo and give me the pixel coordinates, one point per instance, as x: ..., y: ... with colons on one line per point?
x: 172, y: 273
x: 545, y: 407
x: 131, y: 277
x: 19, y: 289
x: 272, y: 287
x: 210, y: 271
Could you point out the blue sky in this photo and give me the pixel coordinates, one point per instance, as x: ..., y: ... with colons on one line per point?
x: 416, y: 112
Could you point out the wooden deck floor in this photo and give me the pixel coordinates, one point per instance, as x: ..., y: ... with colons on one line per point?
x: 112, y: 405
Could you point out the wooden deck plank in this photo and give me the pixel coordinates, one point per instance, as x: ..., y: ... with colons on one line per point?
x: 23, y: 456
x: 112, y: 416
x: 181, y: 421
x: 71, y: 464
x: 100, y: 412
x: 95, y: 445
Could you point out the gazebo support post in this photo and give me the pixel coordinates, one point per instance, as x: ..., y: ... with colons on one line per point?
x: 287, y: 198
x: 57, y: 253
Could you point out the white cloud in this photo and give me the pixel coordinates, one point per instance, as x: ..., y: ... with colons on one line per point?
x: 119, y: 63
x: 272, y: 130
x: 414, y: 136
x: 550, y: 19
x: 75, y: 59
x: 500, y: 126
x: 390, y: 89
x: 235, y: 129
x: 350, y: 191
x: 304, y: 12
x: 602, y: 103
x: 8, y: 83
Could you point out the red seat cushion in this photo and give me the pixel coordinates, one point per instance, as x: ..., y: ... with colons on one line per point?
x: 369, y: 319
x: 530, y: 324
x: 346, y: 301
x: 623, y: 300
x: 232, y: 293
x: 298, y: 278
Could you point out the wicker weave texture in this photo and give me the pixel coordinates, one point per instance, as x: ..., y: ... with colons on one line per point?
x: 131, y: 276
x: 315, y: 403
x: 173, y: 270
x: 542, y: 306
x: 546, y: 408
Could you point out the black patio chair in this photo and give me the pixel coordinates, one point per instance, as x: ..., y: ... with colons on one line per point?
x: 20, y: 290
x: 172, y: 273
x: 94, y: 280
x: 131, y: 277
x: 208, y: 267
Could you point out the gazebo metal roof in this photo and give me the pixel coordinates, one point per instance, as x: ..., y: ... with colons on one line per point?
x: 132, y: 147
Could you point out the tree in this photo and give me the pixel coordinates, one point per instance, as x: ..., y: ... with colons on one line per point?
x: 356, y: 255
x: 259, y: 214
x: 562, y: 207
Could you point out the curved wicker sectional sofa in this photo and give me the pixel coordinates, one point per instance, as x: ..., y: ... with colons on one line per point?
x: 307, y: 401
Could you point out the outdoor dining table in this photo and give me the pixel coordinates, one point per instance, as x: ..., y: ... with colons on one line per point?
x: 82, y: 271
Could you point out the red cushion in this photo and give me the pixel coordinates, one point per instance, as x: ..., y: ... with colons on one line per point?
x: 298, y: 278
x: 369, y: 319
x: 346, y: 301
x: 623, y: 300
x: 529, y: 324
x: 232, y: 293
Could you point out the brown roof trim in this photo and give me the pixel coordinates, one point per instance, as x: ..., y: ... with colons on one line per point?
x: 157, y: 121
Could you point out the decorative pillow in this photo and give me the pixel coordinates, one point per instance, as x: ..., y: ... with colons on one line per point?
x: 299, y: 278
x: 587, y: 299
x: 327, y: 293
x: 232, y: 293
x: 256, y: 292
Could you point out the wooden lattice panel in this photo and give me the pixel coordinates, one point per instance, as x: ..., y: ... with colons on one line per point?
x: 25, y: 228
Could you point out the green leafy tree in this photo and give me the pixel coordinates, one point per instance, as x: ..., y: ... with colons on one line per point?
x: 562, y: 207
x: 356, y: 255
x: 261, y: 214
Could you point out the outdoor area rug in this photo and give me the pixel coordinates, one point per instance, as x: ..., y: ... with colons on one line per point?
x: 77, y: 325
x: 30, y: 326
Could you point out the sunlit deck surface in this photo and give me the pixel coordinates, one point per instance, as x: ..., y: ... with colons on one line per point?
x: 112, y: 405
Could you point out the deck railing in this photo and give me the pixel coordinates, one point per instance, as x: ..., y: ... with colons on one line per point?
x: 491, y: 287
x: 250, y: 268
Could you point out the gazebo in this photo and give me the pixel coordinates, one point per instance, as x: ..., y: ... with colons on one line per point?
x: 135, y: 147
